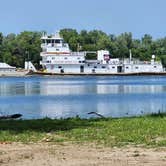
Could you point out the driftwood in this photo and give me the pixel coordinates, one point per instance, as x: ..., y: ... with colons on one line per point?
x: 13, y: 116
x: 96, y: 114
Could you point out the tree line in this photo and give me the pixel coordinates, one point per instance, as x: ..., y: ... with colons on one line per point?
x: 15, y: 49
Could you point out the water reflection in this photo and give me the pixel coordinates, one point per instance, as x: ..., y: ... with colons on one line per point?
x: 37, y: 97
x: 52, y: 89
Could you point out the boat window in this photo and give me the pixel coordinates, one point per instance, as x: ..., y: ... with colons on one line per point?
x: 59, y: 67
x: 136, y: 67
x: 48, y: 41
x: 95, y: 67
x: 53, y: 58
x: 65, y: 58
x: 43, y: 41
x: 57, y: 41
x: 64, y: 45
x: 127, y: 67
x: 113, y: 67
x: 103, y: 67
x: 155, y: 66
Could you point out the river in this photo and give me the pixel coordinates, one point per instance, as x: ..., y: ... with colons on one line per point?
x: 69, y: 96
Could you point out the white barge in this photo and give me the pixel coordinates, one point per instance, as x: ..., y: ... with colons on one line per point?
x: 57, y: 58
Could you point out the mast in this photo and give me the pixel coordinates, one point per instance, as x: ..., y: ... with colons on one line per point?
x: 130, y: 56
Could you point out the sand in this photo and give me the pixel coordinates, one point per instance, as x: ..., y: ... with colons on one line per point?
x: 67, y: 154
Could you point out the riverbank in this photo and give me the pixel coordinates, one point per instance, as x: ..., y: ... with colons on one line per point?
x: 145, y: 130
x: 13, y: 73
x: 75, y: 141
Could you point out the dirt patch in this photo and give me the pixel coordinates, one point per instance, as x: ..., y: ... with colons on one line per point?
x: 66, y: 154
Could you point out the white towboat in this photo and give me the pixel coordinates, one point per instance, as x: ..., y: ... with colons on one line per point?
x: 58, y: 58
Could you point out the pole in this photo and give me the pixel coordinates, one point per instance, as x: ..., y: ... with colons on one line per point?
x: 130, y: 55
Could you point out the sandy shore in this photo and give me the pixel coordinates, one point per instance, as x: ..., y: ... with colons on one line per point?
x: 66, y: 154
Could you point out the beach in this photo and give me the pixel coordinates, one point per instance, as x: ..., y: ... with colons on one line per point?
x: 68, y: 154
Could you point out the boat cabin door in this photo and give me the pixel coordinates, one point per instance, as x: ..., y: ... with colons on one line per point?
x: 81, y: 69
x: 119, y: 69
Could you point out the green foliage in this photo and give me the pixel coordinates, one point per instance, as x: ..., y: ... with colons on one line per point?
x: 163, y: 60
x: 70, y: 36
x: 15, y: 49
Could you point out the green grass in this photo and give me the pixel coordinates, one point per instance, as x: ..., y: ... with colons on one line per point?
x: 147, y: 130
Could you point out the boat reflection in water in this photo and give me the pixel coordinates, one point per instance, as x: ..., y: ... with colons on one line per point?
x: 61, y: 97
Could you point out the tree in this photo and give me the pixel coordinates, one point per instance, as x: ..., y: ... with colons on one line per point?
x: 70, y: 36
x: 29, y: 42
x: 145, y: 50
x: 1, y: 40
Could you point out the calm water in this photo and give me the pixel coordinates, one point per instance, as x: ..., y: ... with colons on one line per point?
x: 55, y: 97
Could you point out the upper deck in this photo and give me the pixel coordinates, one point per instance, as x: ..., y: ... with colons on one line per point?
x: 54, y: 44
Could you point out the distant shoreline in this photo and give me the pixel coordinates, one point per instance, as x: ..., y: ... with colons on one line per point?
x: 13, y: 73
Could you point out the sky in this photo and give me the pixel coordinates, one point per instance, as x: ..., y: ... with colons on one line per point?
x: 111, y: 16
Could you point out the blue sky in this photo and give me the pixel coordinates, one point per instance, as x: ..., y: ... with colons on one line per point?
x: 111, y: 16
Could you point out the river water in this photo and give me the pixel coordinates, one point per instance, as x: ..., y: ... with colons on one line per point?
x: 68, y: 96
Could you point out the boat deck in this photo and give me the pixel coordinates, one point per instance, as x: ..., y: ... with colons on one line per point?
x: 98, y: 74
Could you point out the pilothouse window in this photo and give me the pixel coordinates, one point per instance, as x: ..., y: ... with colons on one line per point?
x: 52, y: 41
x: 48, y: 41
x: 43, y: 41
x: 57, y: 41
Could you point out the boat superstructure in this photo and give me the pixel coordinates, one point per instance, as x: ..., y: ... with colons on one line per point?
x: 58, y: 58
x: 56, y: 54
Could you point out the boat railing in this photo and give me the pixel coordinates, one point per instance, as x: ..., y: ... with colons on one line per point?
x: 77, y: 53
x: 71, y: 54
x: 148, y: 63
x: 137, y: 62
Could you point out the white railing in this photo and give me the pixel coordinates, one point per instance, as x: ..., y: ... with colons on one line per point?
x: 77, y: 53
x: 61, y: 62
x: 71, y: 54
